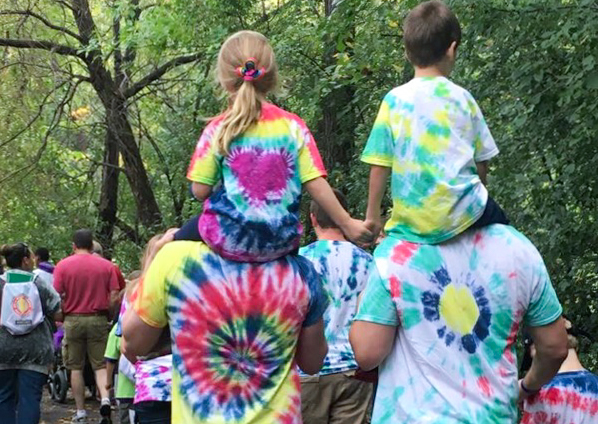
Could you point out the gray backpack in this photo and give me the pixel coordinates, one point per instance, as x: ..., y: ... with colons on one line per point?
x: 22, y: 309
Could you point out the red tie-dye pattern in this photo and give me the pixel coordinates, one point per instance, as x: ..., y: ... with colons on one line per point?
x: 395, y: 287
x: 402, y: 252
x: 510, y: 342
x: 484, y: 386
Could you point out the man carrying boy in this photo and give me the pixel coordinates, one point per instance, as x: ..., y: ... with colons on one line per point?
x: 442, y: 307
x: 334, y: 395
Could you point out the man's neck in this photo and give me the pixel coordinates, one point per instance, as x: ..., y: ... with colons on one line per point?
x: 332, y: 234
x: 82, y: 252
x: 571, y: 363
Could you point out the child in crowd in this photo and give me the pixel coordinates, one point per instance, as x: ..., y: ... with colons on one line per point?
x: 153, y: 374
x: 431, y: 135
x: 251, y: 162
x: 125, y: 385
x: 335, y: 394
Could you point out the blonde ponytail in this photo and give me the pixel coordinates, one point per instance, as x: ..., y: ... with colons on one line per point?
x: 247, y: 85
x: 244, y: 112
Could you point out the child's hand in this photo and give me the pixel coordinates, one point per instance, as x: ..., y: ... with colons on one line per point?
x: 374, y: 225
x: 357, y: 231
x: 166, y: 238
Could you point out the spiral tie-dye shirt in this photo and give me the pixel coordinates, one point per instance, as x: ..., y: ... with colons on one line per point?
x: 431, y: 132
x: 458, y: 307
x: 234, y: 327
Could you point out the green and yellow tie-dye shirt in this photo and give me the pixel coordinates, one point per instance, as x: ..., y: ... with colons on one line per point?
x: 431, y: 132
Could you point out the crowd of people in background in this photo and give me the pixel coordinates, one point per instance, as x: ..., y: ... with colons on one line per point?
x: 230, y: 320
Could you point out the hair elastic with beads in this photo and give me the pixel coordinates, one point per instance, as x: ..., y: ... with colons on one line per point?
x: 249, y: 72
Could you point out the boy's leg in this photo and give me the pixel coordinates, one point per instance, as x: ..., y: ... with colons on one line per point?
x: 189, y: 230
x: 8, y: 399
x: 493, y: 214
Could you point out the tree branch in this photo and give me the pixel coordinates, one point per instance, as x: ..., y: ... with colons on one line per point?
x: 159, y: 72
x: 42, y: 45
x: 42, y: 20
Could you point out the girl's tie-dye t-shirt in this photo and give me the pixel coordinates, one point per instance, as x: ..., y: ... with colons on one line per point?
x: 234, y: 327
x: 431, y: 132
x: 570, y: 398
x: 153, y: 379
x: 253, y: 212
x: 344, y: 269
x: 458, y: 306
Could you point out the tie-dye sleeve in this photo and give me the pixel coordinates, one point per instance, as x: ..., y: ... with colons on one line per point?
x: 484, y: 144
x: 544, y: 307
x: 205, y: 163
x: 318, y: 301
x: 379, y: 147
x: 311, y: 165
x: 376, y: 303
x: 150, y: 297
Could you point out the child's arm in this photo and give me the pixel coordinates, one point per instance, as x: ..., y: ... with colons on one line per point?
x: 483, y: 171
x: 201, y: 191
x: 109, y: 373
x: 354, y: 229
x: 378, y: 180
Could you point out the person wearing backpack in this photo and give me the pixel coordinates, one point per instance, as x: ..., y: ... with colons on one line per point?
x: 28, y: 305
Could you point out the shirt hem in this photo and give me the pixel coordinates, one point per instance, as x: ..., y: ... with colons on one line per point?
x: 312, y: 176
x: 376, y: 320
x: 546, y: 321
x: 487, y: 156
x: 378, y: 162
x: 202, y: 180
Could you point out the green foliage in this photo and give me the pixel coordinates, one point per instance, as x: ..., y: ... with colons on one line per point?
x: 532, y: 66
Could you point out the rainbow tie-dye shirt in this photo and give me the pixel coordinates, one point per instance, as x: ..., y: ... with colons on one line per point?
x: 570, y: 398
x: 431, y: 132
x: 253, y: 216
x: 234, y: 328
x: 344, y: 268
x: 458, y: 306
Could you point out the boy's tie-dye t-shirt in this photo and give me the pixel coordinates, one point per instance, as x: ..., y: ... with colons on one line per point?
x: 234, y: 328
x: 431, y: 132
x: 570, y: 398
x: 253, y: 215
x: 458, y: 306
x: 344, y: 269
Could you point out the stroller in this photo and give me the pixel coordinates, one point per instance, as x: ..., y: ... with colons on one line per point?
x: 59, y: 377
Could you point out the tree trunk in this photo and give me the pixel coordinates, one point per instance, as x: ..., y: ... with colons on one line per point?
x: 109, y: 194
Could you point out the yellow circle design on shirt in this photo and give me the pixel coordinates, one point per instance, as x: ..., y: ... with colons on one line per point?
x: 459, y: 309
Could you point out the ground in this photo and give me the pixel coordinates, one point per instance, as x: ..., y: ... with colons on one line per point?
x: 61, y: 413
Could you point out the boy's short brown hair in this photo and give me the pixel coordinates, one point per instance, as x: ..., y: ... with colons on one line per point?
x: 321, y: 216
x: 428, y: 32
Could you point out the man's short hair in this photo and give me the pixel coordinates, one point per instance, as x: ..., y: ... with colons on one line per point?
x: 83, y: 239
x: 42, y: 254
x: 321, y: 216
x: 428, y: 32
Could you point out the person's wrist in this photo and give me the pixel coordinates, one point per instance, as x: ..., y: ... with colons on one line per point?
x: 529, y: 391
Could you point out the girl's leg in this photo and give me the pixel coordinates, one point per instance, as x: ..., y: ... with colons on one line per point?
x: 31, y: 385
x: 189, y: 230
x: 8, y: 388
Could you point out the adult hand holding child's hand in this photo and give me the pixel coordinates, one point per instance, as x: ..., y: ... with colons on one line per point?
x: 357, y: 231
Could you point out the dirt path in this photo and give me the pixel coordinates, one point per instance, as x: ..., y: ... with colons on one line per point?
x: 61, y: 413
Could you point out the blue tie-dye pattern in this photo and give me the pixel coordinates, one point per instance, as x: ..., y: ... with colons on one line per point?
x: 344, y: 269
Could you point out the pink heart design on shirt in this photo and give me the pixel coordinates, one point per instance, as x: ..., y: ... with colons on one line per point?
x: 262, y: 174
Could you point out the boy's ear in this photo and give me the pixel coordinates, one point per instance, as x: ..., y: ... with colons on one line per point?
x: 452, y: 50
x: 314, y: 221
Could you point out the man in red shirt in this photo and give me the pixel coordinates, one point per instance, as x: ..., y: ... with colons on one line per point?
x: 88, y: 285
